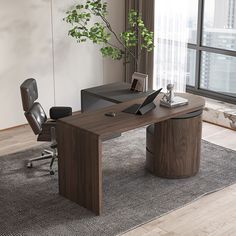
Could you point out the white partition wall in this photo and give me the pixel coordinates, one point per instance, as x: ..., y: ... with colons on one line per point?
x: 25, y: 51
x: 32, y: 34
x: 77, y: 66
x: 114, y: 70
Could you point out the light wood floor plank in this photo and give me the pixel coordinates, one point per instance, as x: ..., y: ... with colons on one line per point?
x: 17, y: 139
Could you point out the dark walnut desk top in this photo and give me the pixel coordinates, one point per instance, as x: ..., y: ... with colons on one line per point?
x: 99, y: 124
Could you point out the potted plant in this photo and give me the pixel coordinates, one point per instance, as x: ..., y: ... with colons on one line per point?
x: 138, y: 36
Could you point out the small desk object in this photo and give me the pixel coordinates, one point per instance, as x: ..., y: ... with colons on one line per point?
x: 80, y: 145
x: 146, y: 106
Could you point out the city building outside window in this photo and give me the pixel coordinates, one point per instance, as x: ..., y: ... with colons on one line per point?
x: 211, y: 55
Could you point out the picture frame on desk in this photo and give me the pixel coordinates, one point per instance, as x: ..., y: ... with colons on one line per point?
x: 139, y: 82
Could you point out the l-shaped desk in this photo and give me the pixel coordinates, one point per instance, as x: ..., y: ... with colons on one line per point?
x: 80, y: 145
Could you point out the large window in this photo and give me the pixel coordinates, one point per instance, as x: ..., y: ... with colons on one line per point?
x: 212, y: 50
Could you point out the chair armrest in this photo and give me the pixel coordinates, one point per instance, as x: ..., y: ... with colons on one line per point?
x: 60, y: 112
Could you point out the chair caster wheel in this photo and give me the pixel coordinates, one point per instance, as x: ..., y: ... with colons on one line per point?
x: 29, y: 165
x: 52, y: 172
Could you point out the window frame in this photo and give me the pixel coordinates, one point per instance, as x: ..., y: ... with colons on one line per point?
x: 199, y: 48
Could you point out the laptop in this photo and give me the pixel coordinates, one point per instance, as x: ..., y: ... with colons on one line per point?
x: 140, y: 108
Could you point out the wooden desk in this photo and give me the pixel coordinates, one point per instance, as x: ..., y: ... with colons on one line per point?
x: 80, y: 146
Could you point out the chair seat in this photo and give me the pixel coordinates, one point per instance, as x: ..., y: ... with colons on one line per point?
x: 60, y: 112
x: 45, y: 135
x: 53, y: 145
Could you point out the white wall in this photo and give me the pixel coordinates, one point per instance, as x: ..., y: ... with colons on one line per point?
x: 25, y: 51
x: 114, y: 70
x: 26, y: 35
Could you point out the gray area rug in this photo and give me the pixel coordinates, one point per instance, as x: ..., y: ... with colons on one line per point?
x: 30, y: 204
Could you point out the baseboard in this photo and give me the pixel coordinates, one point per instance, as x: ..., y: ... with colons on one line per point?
x: 26, y: 124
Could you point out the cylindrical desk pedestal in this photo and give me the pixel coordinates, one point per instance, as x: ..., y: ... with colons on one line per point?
x: 173, y: 147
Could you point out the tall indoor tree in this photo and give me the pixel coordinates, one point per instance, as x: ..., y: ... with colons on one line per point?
x: 126, y: 45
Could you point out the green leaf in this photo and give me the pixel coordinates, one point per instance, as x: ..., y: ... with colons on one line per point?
x: 81, y: 16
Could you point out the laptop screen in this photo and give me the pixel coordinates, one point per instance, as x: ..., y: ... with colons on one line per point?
x: 150, y: 98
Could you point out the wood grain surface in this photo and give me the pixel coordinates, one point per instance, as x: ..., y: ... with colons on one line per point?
x: 79, y: 167
x: 79, y: 145
x: 174, y: 147
x: 97, y: 123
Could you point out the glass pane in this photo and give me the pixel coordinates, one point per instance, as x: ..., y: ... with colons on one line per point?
x: 218, y: 73
x: 192, y: 20
x: 191, y: 63
x: 219, y: 26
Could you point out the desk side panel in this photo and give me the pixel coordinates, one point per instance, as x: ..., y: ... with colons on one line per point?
x: 90, y: 102
x: 79, y: 163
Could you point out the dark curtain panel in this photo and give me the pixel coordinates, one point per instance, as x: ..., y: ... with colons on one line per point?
x: 146, y: 9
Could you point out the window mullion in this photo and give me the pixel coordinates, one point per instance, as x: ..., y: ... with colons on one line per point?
x: 199, y: 43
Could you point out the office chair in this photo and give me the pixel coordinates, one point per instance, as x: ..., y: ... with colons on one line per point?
x: 42, y: 126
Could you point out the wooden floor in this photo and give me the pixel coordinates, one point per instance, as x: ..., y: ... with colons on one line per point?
x: 16, y: 139
x: 214, y: 214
